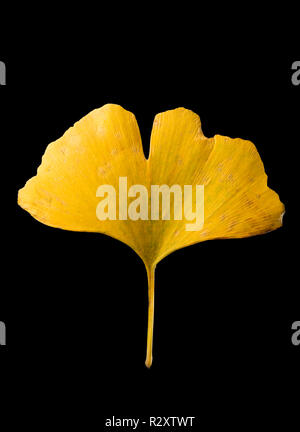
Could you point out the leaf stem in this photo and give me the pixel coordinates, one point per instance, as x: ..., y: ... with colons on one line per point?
x: 150, y: 275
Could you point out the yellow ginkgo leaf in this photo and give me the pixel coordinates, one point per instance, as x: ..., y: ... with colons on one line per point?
x: 96, y: 178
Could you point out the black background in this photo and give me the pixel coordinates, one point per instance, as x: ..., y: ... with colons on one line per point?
x: 75, y: 304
